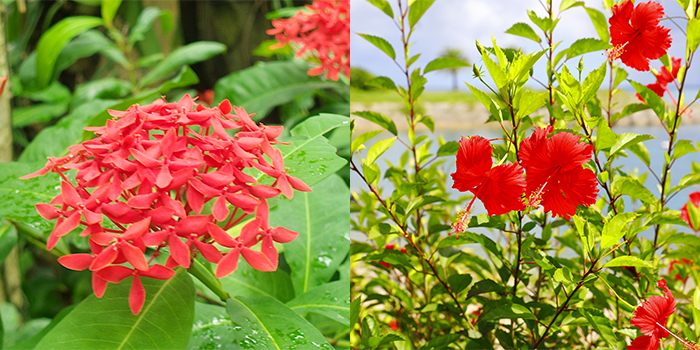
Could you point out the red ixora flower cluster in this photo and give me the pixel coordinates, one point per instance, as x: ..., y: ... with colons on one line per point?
x: 693, y: 199
x: 636, y: 35
x: 651, y: 318
x: 555, y: 175
x: 681, y: 262
x: 150, y: 171
x: 323, y: 30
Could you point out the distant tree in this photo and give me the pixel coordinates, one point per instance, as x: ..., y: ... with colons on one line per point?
x: 358, y: 78
x: 456, y: 53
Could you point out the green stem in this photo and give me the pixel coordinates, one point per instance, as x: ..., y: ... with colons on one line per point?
x: 205, y: 276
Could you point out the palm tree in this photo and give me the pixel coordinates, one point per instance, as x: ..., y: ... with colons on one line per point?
x: 456, y: 53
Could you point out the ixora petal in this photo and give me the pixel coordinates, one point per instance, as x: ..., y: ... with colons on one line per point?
x: 636, y: 35
x: 500, y: 188
x: 652, y: 315
x: 555, y: 174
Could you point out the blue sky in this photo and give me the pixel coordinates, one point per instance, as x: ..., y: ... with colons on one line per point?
x: 457, y: 23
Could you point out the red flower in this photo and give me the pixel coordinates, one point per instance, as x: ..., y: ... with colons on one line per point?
x: 664, y: 78
x: 644, y: 342
x: 652, y: 315
x: 323, y: 30
x: 683, y: 261
x: 693, y: 199
x: 500, y: 188
x: 206, y: 97
x: 144, y: 180
x: 393, y: 325
x: 555, y: 175
x: 636, y: 35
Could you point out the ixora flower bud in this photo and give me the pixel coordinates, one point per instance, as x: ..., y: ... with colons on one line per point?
x: 321, y: 30
x: 144, y: 182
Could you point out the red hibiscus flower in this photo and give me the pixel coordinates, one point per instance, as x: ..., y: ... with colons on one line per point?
x: 664, y: 78
x: 555, y: 175
x: 323, y: 31
x: 500, y: 188
x: 652, y: 315
x: 693, y: 199
x: 644, y: 342
x: 636, y: 35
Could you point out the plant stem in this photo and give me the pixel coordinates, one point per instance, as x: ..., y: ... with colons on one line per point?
x: 205, y: 276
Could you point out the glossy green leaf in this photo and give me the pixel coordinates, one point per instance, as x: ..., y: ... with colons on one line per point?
x: 212, y: 328
x: 627, y: 261
x: 360, y: 140
x: 524, y: 30
x: 605, y: 137
x: 330, y: 299
x: 102, y: 89
x: 450, y: 148
x: 484, y: 286
x: 635, y: 189
x: 615, y: 229
x: 681, y: 148
x: 384, y: 6
x: 600, y: 23
x: 417, y: 10
x: 444, y: 63
x: 109, y: 10
x: 144, y: 23
x: 592, y: 83
x: 529, y: 102
x: 321, y: 219
x: 249, y: 282
x: 310, y: 157
x: 185, y: 55
x: 379, y: 119
x: 86, y: 45
x: 266, y: 85
x: 510, y: 311
x: 265, y: 323
x: 693, y: 34
x: 165, y: 322
x: 497, y: 73
x: 458, y: 283
x: 52, y: 42
x: 24, y: 194
x: 381, y: 44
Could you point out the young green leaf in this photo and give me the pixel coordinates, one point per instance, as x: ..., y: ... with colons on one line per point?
x: 627, y: 139
x: 615, y: 229
x: 379, y: 119
x: 379, y: 148
x: 382, y: 82
x: 384, y: 6
x: 417, y: 10
x: 184, y: 55
x: 524, y: 30
x: 627, y: 261
x: 444, y: 63
x: 381, y: 44
x: 567, y: 4
x: 693, y: 34
x: 109, y: 10
x: 581, y: 46
x: 358, y: 142
x: 651, y: 98
x: 600, y: 24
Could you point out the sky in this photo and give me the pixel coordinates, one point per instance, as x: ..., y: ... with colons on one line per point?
x: 457, y: 23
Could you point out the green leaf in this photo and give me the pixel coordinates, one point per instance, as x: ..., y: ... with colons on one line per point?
x: 651, y: 98
x: 384, y: 6
x: 615, y: 229
x: 381, y: 44
x: 265, y: 323
x: 52, y: 42
x: 530, y: 102
x: 606, y: 137
x: 627, y: 139
x: 144, y: 23
x: 441, y: 342
x: 635, y: 189
x: 510, y: 311
x: 484, y: 286
x: 185, y: 55
x: 601, y: 324
x: 450, y: 148
x: 86, y: 45
x: 355, y: 311
x: 379, y: 119
x: 693, y: 34
x: 681, y: 148
x: 458, y: 283
x: 165, y: 322
x: 36, y: 114
x: 310, y: 157
x: 567, y: 4
x: 600, y: 23
x: 582, y: 46
x: 382, y: 82
x: 24, y: 194
x: 321, y: 219
x: 331, y: 300
x: 211, y: 328
x: 102, y: 89
x: 266, y: 85
x: 497, y: 73
x: 627, y: 261
x: 378, y: 149
x: 416, y: 11
x: 563, y: 275
x: 8, y: 240
x: 109, y: 10
x: 444, y: 63
x: 362, y: 138
x: 249, y: 282
x: 591, y: 84
x: 524, y: 30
